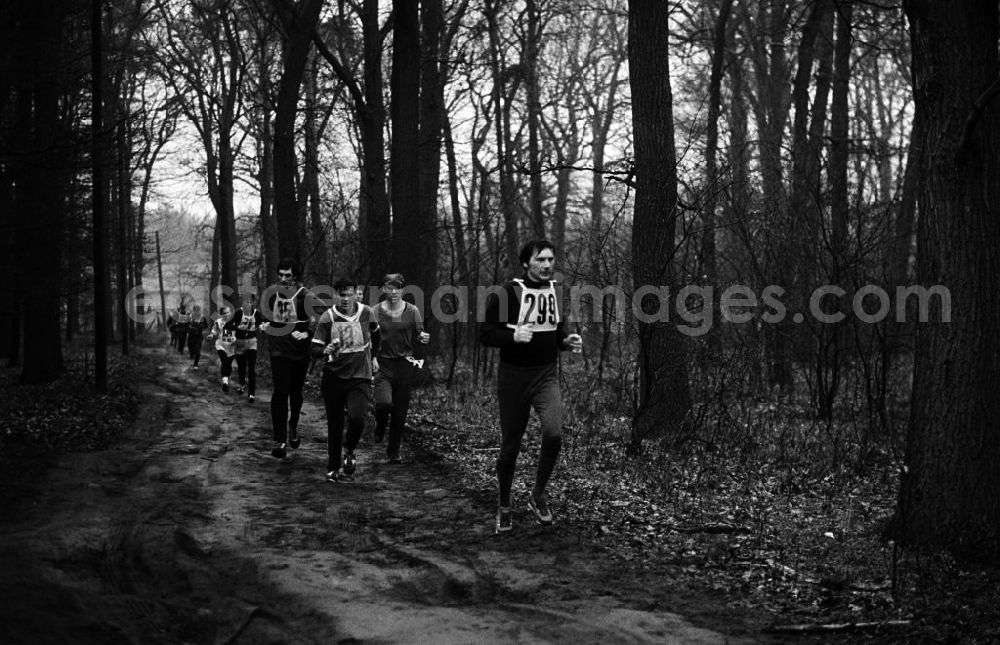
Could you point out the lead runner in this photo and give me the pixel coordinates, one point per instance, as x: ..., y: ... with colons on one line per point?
x: 527, y: 327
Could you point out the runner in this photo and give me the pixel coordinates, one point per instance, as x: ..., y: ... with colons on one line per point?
x: 196, y: 335
x: 224, y: 334
x: 528, y: 329
x: 402, y: 326
x: 246, y: 321
x: 288, y: 327
x: 172, y: 327
x: 347, y: 336
x: 182, y: 322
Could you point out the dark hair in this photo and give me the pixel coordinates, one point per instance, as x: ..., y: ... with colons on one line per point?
x: 533, y: 247
x: 289, y: 263
x: 393, y: 278
x: 345, y: 282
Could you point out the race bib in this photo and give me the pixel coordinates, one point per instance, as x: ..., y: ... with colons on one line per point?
x: 247, y: 323
x: 284, y: 309
x: 538, y: 308
x: 348, y: 331
x: 350, y: 334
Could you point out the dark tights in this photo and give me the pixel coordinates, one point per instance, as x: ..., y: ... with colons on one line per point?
x: 287, y: 376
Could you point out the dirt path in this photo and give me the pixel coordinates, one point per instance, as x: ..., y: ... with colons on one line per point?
x: 189, y: 531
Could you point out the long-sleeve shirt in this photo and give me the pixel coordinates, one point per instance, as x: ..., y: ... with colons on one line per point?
x: 285, y: 310
x: 524, y: 302
x: 399, y: 330
x: 359, y: 337
x: 197, y: 326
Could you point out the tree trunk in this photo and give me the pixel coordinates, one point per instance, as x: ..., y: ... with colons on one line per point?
x: 664, y: 398
x: 533, y: 105
x: 432, y: 116
x: 409, y: 230
x: 42, y: 205
x: 508, y: 207
x: 97, y: 177
x: 951, y: 482
x: 708, y: 273
x: 839, y: 140
x: 375, y: 220
x: 299, y: 23
x: 319, y: 253
x: 265, y: 175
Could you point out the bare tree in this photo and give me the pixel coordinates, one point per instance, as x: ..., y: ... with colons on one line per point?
x: 664, y: 398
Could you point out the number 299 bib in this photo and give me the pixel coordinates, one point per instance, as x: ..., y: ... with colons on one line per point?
x: 538, y: 308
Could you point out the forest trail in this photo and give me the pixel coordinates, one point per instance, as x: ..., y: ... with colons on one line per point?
x: 187, y: 530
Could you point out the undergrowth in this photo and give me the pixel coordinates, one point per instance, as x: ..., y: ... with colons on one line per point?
x: 761, y: 502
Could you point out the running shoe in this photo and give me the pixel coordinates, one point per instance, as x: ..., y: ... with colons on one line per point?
x: 540, y: 507
x: 250, y: 398
x: 350, y: 463
x: 239, y: 389
x: 331, y: 476
x: 279, y: 451
x: 505, y: 521
x: 293, y: 437
x: 195, y: 368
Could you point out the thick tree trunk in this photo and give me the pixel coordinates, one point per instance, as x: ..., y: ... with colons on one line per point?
x: 951, y: 483
x: 424, y: 268
x: 42, y: 204
x: 411, y: 235
x: 299, y: 24
x: 375, y: 220
x: 664, y: 397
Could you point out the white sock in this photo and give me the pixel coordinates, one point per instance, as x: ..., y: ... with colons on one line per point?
x: 225, y: 380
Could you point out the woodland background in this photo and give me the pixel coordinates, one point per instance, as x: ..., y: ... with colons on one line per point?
x: 753, y: 142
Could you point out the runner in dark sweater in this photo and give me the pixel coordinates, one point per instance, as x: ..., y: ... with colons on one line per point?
x: 196, y: 335
x: 288, y: 328
x: 526, y: 325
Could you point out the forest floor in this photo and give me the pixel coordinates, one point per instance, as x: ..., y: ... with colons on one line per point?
x: 179, y: 527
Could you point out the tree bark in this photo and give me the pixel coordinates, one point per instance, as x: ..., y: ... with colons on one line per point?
x: 319, y: 252
x: 40, y: 200
x: 299, y: 24
x: 664, y: 397
x: 410, y: 233
x: 951, y: 482
x: 533, y: 105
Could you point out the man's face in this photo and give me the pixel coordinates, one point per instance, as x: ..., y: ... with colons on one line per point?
x: 541, y: 266
x: 286, y: 276
x: 346, y: 299
x: 225, y: 313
